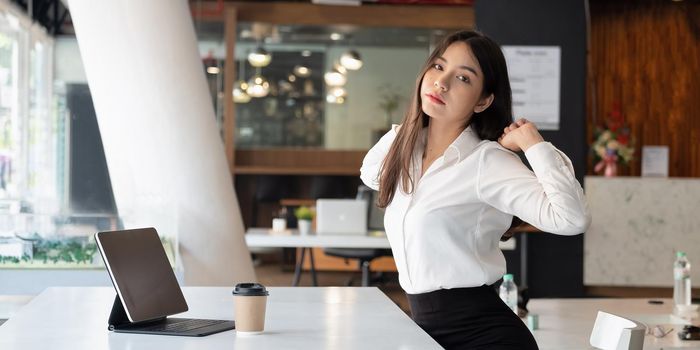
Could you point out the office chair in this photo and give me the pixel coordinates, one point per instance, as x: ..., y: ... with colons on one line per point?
x: 364, y: 256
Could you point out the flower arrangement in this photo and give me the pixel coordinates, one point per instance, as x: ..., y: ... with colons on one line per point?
x: 613, y: 143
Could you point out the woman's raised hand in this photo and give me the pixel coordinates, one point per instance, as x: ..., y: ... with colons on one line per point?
x: 520, y: 135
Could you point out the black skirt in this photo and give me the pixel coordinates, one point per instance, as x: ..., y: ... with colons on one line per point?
x: 470, y: 318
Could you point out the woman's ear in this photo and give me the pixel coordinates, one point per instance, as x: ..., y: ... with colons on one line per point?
x: 484, y: 103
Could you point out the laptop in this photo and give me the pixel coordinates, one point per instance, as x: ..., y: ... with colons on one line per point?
x: 147, y: 290
x: 341, y: 217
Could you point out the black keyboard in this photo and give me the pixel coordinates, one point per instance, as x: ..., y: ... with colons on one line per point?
x: 178, y: 325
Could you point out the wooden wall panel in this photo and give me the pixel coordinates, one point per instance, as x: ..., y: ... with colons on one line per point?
x: 298, y: 161
x: 645, y: 55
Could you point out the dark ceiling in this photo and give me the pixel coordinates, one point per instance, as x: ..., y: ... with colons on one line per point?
x: 321, y: 35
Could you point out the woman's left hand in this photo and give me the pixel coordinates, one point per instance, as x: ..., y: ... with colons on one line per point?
x: 520, y: 135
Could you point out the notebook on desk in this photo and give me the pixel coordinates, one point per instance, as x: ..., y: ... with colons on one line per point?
x: 147, y: 290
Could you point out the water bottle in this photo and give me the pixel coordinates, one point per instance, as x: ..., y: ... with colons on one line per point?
x: 509, y: 292
x: 681, y: 277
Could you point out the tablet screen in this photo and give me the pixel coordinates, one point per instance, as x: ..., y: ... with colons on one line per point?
x: 141, y: 273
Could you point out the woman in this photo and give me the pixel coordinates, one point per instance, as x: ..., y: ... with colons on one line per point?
x: 451, y: 184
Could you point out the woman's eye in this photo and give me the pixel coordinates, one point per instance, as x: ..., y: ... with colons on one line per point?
x: 437, y: 66
x: 463, y: 78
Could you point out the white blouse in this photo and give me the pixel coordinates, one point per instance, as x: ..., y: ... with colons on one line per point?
x: 445, y: 234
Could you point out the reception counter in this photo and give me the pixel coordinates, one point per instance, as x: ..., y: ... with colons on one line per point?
x: 638, y: 225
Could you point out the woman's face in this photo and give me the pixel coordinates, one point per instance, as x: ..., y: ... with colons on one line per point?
x: 452, y: 86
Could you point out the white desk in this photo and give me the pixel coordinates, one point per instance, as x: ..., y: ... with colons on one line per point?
x: 303, y: 318
x: 297, y: 318
x: 567, y: 323
x: 257, y: 237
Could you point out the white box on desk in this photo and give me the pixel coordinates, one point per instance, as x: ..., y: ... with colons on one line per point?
x: 341, y: 217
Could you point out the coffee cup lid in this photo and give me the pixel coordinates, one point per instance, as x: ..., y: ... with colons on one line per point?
x: 250, y: 289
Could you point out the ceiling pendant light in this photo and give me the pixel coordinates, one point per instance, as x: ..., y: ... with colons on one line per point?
x: 330, y: 98
x: 335, y: 78
x: 336, y: 95
x: 337, y: 36
x: 259, y: 57
x: 351, y: 60
x: 338, y: 92
x: 210, y: 63
x: 302, y: 71
x: 340, y: 68
x: 258, y: 86
x: 239, y: 88
x: 239, y: 92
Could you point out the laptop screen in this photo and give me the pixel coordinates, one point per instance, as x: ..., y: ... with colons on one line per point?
x: 141, y: 273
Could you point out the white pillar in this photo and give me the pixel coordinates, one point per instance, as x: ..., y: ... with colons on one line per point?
x: 164, y: 154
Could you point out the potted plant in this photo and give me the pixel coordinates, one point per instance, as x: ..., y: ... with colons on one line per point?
x: 304, y: 216
x: 390, y: 97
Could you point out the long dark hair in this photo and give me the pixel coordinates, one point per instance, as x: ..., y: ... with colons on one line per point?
x: 488, y: 124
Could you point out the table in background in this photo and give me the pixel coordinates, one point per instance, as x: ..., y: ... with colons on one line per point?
x: 257, y: 237
x: 266, y: 238
x: 567, y: 323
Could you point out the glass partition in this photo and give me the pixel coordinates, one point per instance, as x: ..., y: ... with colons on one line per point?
x: 331, y: 87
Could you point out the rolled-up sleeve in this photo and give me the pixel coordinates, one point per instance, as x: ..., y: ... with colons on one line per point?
x: 372, y: 163
x: 550, y: 198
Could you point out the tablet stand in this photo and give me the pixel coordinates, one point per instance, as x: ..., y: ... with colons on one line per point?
x: 119, y: 319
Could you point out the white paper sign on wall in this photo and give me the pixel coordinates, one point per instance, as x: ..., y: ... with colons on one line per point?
x: 535, y: 79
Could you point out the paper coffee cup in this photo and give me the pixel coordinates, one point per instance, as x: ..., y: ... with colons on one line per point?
x: 250, y: 300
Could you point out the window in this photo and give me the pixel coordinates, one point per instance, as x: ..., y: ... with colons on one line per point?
x: 28, y: 137
x: 31, y: 147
